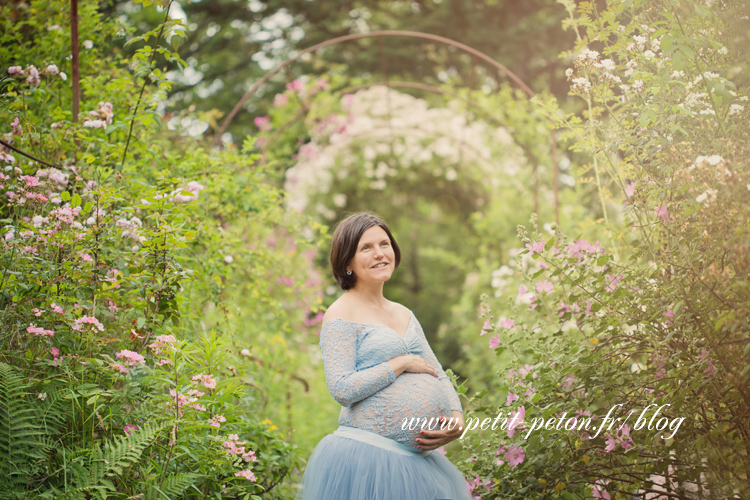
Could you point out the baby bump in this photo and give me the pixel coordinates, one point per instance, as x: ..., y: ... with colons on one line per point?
x: 412, y: 400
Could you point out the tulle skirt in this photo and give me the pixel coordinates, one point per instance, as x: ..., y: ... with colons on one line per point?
x: 353, y: 464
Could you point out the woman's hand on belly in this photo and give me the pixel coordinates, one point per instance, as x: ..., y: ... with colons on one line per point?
x: 430, y: 440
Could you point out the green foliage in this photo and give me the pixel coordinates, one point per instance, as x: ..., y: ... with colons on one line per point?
x: 656, y: 314
x: 139, y: 301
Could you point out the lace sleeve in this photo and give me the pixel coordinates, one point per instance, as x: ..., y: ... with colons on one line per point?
x: 345, y: 383
x: 425, y: 351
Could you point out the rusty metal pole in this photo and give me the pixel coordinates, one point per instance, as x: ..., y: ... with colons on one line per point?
x: 74, y: 75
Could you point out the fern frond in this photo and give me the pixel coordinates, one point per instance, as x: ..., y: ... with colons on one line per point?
x: 20, y: 433
x: 172, y: 488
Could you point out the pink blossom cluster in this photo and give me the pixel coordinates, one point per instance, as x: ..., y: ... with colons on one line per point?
x: 575, y: 308
x: 131, y: 358
x: 477, y: 482
x: 599, y: 491
x: 216, y: 420
x: 162, y: 342
x: 39, y: 331
x: 234, y: 446
x: 263, y: 123
x: 710, y: 368
x: 193, y: 187
x: 101, y: 117
x: 56, y: 309
x: 247, y: 474
x: 208, y: 381
x: 622, y: 438
x: 315, y: 319
x: 130, y: 428
x: 87, y: 320
x: 183, y: 402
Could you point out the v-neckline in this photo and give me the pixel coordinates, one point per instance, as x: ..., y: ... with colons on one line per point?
x: 403, y: 337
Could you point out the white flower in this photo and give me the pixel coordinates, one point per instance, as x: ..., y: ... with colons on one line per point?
x: 723, y: 51
x: 708, y: 196
x: 52, y: 69
x: 42, y: 396
x: 63, y: 76
x: 245, y: 352
x: 228, y: 259
x: 569, y: 72
x: 649, y: 55
x: 638, y: 85
x: 735, y: 109
x: 38, y: 220
x: 88, y: 44
x: 95, y: 124
x: 640, y: 40
x: 581, y: 84
x: 655, y: 45
x: 608, y: 64
x: 678, y: 74
x: 90, y: 221
x: 135, y: 248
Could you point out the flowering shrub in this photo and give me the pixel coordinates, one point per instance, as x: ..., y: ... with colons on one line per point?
x: 128, y: 281
x: 653, y: 316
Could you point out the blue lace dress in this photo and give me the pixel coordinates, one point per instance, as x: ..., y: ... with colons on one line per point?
x: 372, y: 456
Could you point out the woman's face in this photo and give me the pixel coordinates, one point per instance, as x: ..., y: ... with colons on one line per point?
x: 375, y: 259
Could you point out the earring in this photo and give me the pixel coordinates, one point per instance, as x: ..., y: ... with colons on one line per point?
x: 349, y: 272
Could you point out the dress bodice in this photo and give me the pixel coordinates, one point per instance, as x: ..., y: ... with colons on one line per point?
x: 358, y: 376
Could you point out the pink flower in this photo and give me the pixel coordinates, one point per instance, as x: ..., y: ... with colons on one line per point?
x: 121, y: 368
x: 613, y: 282
x: 29, y: 249
x: 630, y: 190
x: 130, y: 427
x: 86, y: 257
x: 569, y: 380
x: 55, y: 352
x: 17, y: 129
x: 536, y: 246
x: 494, y: 342
x: 15, y: 70
x: 216, y: 420
x: 39, y: 331
x: 599, y: 491
x: 514, y: 455
x: 669, y: 314
x: 280, y: 100
x: 507, y: 324
x: 208, y: 381
x: 87, y: 320
x: 37, y: 312
x: 516, y: 420
x: 511, y: 398
x: 543, y: 265
x: 661, y: 211
x: 623, y: 437
x: 296, y: 86
x: 247, y: 474
x: 522, y: 290
x: 710, y: 368
x: 131, y: 358
x: 56, y: 309
x: 486, y: 327
x: 610, y: 440
x: 263, y: 123
x: 545, y: 287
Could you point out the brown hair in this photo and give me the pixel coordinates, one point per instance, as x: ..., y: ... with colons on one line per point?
x: 346, y: 237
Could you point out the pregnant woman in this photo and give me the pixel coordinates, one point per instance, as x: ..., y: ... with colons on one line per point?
x: 380, y: 368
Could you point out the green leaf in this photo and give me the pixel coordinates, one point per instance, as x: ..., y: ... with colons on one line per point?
x: 76, y: 201
x: 65, y: 196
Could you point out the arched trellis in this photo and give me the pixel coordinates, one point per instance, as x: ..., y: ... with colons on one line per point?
x: 409, y: 34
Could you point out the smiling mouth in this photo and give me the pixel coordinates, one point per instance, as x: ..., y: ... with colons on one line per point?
x: 378, y: 266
